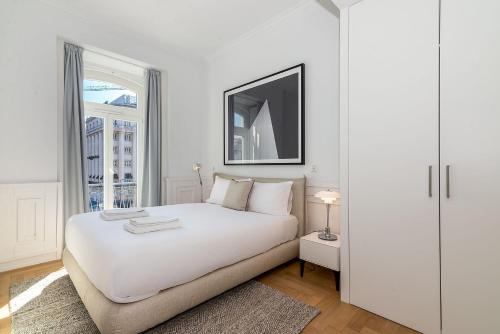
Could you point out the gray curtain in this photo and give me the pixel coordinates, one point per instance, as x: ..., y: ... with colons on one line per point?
x: 75, y: 155
x: 151, y: 183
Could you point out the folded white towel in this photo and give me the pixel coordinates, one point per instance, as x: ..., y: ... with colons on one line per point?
x: 124, y: 215
x: 152, y: 221
x: 146, y: 229
x: 122, y: 211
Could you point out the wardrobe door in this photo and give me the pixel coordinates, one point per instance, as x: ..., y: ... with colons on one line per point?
x: 470, y: 146
x: 393, y: 160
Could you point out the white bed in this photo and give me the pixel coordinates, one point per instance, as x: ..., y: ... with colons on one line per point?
x: 126, y: 267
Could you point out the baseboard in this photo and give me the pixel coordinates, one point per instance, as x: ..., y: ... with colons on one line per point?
x: 29, y: 261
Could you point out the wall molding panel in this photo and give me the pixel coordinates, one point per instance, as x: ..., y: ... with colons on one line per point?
x: 186, y: 190
x: 31, y: 224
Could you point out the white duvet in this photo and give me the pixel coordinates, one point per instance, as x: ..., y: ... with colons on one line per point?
x: 128, y: 267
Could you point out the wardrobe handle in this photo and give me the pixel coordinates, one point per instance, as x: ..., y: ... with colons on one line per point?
x: 447, y: 181
x: 430, y: 181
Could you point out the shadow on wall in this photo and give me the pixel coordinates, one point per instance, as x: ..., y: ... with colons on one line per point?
x: 329, y: 6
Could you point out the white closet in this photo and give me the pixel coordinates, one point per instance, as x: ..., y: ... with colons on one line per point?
x: 424, y: 163
x: 470, y: 146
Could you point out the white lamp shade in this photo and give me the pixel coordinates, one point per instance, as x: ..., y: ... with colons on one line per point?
x: 326, y: 196
x: 196, y: 166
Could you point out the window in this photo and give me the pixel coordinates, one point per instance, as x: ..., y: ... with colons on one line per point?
x: 239, y: 121
x: 94, y: 130
x: 102, y: 92
x: 238, y: 147
x: 114, y: 120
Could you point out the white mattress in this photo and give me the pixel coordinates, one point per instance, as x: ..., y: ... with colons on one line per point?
x: 128, y: 267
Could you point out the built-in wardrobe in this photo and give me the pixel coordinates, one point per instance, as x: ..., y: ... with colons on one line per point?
x: 424, y: 162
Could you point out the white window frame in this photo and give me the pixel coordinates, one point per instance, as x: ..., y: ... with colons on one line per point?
x: 109, y: 113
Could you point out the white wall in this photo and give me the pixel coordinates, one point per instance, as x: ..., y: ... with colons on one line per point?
x: 29, y: 32
x: 310, y: 35
x: 29, y: 35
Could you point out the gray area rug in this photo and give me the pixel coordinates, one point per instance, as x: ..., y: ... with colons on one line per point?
x: 249, y: 308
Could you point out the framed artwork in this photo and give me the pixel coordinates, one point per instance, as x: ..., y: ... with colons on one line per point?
x: 264, y: 120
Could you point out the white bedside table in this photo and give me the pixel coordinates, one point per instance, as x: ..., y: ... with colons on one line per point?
x: 321, y: 252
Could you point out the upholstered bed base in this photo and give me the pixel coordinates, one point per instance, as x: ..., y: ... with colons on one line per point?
x: 114, y: 318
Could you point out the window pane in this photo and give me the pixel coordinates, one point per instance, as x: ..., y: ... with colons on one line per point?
x: 239, y: 121
x: 238, y: 147
x: 124, y: 164
x: 94, y: 130
x: 108, y: 93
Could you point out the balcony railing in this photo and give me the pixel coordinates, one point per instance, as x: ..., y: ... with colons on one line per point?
x: 96, y: 197
x: 124, y: 195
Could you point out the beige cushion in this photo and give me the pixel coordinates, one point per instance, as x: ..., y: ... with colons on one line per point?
x: 237, y: 194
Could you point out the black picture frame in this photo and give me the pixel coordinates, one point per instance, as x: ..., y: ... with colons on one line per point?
x: 267, y: 86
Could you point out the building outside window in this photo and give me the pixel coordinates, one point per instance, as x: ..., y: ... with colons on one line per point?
x: 129, y: 136
x: 114, y: 120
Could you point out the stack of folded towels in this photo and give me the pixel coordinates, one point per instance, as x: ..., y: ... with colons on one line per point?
x: 151, y: 224
x: 119, y: 214
x: 139, y: 220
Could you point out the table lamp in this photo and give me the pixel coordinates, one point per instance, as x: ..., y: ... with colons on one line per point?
x: 196, y: 168
x: 328, y: 197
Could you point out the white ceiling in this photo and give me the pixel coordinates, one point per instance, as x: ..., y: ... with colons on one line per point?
x: 195, y: 27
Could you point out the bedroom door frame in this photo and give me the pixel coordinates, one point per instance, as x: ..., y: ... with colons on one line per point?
x: 344, y: 153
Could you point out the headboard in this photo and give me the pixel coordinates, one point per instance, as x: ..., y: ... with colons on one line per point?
x: 298, y: 190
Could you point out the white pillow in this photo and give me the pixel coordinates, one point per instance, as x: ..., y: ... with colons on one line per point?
x: 290, y: 201
x: 219, y: 190
x: 271, y: 198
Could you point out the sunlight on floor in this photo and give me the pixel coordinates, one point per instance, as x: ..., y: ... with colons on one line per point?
x: 4, y: 312
x: 32, y: 292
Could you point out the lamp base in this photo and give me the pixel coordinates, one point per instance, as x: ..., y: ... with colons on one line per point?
x: 327, y: 236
